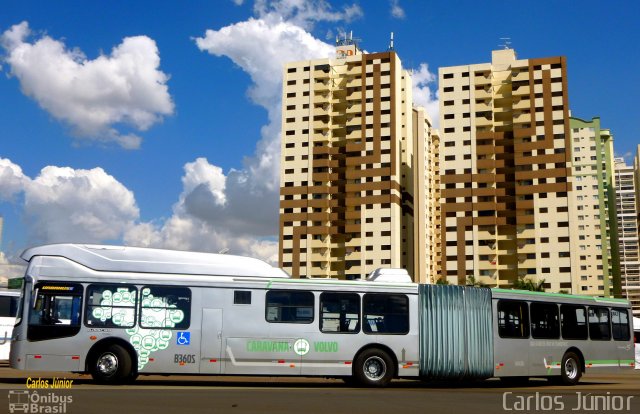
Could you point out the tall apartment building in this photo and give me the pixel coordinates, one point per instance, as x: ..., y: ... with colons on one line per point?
x: 506, y: 171
x: 350, y: 198
x: 628, y: 233
x: 428, y: 253
x: 594, y: 233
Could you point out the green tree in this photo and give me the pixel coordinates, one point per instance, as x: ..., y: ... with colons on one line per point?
x: 529, y: 284
x: 442, y: 281
x: 471, y: 281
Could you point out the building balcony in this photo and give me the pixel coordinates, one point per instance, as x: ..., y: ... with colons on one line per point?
x: 483, y: 106
x: 521, y: 103
x: 354, y: 97
x: 522, y: 90
x: 320, y: 98
x: 520, y: 76
x: 321, y: 74
x: 483, y: 122
x: 482, y: 93
x: 321, y: 125
x: 354, y: 121
x: 354, y: 108
x: 521, y: 117
x: 321, y: 86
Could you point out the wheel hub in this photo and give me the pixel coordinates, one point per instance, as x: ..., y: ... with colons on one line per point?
x: 107, y: 364
x: 375, y: 368
x: 571, y: 368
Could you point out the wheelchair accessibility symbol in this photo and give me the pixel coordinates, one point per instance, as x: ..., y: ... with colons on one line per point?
x: 184, y: 338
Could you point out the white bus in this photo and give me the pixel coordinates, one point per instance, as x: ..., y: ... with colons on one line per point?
x: 118, y: 312
x: 8, y: 309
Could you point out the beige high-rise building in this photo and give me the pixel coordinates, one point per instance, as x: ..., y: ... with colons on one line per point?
x: 596, y: 262
x: 628, y: 233
x: 505, y: 168
x: 351, y: 199
x: 428, y: 253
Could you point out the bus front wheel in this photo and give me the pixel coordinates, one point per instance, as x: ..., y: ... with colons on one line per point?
x: 111, y: 365
x: 373, y: 368
x: 571, y: 369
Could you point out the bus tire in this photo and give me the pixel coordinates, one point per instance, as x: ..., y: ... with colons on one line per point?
x: 111, y: 365
x: 571, y: 370
x: 373, y: 368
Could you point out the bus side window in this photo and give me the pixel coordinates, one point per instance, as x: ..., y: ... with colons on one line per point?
x: 167, y: 307
x: 385, y: 313
x: 242, y: 297
x: 620, y: 325
x: 574, y: 322
x: 290, y: 306
x: 599, y: 323
x: 513, y: 319
x: 544, y: 321
x: 111, y: 305
x: 8, y: 306
x: 339, y: 312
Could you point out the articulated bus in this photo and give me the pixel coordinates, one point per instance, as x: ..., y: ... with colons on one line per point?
x: 120, y: 312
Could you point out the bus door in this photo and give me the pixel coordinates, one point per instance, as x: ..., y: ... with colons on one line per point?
x: 512, y: 345
x: 622, y: 336
x: 54, y: 319
x: 211, y: 341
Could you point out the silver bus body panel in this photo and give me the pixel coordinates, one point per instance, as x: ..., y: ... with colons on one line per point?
x: 530, y: 357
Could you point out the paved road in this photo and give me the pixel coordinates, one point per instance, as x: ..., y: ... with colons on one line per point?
x: 156, y: 394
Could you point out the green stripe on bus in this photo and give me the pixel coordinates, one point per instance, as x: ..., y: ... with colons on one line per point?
x: 558, y: 365
x: 560, y: 295
x: 339, y: 283
x: 608, y: 361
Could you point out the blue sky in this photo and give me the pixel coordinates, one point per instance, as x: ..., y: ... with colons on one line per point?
x: 130, y: 122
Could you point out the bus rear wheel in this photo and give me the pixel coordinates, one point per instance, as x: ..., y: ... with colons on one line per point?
x: 111, y: 365
x: 571, y: 369
x: 373, y: 368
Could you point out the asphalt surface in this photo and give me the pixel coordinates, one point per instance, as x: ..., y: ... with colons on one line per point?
x: 207, y: 394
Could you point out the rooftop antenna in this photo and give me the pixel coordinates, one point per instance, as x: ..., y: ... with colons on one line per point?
x: 506, y: 42
x: 391, y: 43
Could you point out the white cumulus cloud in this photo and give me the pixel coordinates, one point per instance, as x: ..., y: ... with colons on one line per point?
x: 304, y: 13
x: 396, y: 10
x: 12, y: 180
x: 423, y: 96
x: 95, y: 97
x: 69, y: 205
